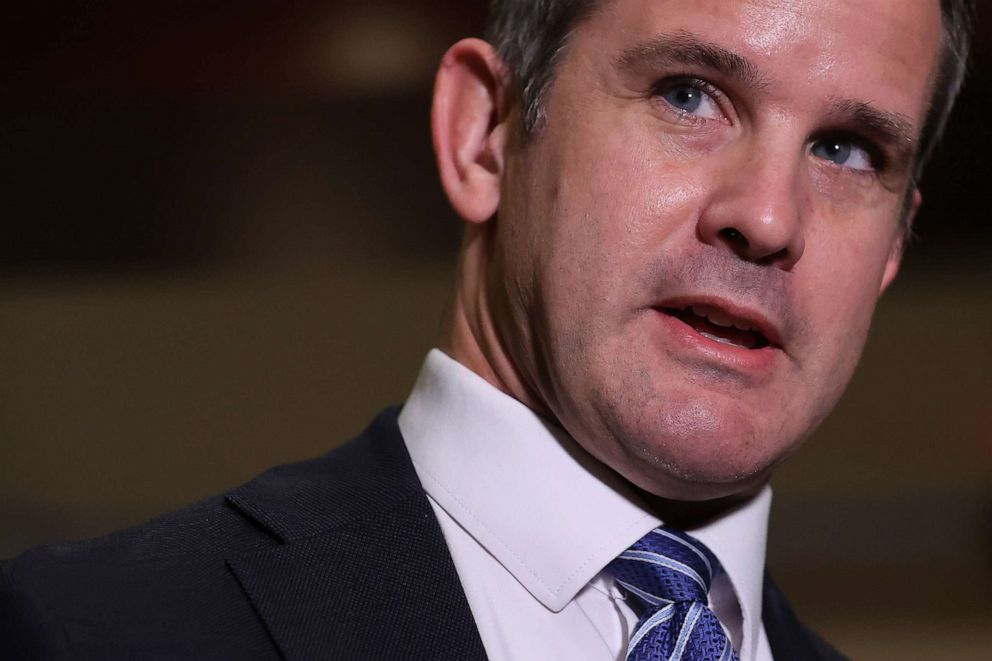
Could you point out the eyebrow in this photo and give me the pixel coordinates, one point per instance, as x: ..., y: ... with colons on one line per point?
x: 686, y: 48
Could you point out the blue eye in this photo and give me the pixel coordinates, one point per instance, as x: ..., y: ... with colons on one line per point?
x: 691, y: 99
x: 844, y: 153
x: 684, y: 97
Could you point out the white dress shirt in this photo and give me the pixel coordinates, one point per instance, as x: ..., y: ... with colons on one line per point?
x: 531, y: 521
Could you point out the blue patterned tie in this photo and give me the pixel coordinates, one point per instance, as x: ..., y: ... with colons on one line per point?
x: 666, y: 576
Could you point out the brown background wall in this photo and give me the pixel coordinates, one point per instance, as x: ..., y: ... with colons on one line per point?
x: 224, y: 247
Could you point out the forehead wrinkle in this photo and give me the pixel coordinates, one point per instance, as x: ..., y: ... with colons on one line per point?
x: 688, y: 48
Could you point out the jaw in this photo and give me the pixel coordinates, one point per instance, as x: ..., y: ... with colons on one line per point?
x: 678, y: 429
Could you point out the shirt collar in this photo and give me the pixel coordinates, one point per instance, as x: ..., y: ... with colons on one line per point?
x: 738, y: 541
x: 550, y: 514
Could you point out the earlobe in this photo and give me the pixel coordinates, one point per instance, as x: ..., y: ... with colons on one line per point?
x: 469, y: 123
x: 892, y: 265
x: 899, y: 243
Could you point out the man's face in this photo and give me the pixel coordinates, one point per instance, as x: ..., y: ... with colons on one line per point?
x: 710, y: 164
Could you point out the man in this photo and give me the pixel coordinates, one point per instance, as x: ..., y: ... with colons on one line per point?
x: 679, y: 217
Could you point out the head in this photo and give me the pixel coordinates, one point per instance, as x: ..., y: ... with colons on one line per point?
x: 681, y: 213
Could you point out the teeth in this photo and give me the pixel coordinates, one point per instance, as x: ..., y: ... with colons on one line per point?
x: 719, y: 318
x: 717, y: 338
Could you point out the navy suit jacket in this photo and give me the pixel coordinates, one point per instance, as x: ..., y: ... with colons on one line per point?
x: 339, y: 557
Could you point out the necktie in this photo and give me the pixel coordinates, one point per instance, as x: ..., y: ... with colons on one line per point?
x: 666, y: 576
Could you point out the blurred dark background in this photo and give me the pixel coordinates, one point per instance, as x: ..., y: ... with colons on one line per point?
x: 224, y: 246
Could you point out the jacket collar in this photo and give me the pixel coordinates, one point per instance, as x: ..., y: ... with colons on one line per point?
x: 358, y: 567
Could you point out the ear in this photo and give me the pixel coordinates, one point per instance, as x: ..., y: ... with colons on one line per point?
x: 469, y: 125
x: 899, y: 242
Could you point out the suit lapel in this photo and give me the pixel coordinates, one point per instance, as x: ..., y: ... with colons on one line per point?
x: 361, y: 569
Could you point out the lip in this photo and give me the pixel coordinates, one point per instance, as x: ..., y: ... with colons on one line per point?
x: 729, y: 355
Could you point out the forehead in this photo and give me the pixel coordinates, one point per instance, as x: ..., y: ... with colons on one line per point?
x: 883, y: 51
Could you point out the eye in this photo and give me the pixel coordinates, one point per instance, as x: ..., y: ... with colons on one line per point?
x: 843, y: 152
x: 691, y: 98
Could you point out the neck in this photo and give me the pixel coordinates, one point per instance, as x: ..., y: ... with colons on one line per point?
x: 688, y: 515
x: 470, y: 335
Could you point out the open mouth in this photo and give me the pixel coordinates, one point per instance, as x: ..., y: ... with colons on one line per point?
x: 719, y: 326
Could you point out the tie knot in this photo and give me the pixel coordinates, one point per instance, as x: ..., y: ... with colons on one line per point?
x: 665, y: 566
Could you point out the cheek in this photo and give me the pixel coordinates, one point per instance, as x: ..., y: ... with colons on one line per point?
x: 609, y: 225
x: 841, y: 285
x: 847, y: 255
x: 622, y: 201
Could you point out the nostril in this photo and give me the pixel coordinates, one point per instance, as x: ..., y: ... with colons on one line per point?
x: 734, y: 237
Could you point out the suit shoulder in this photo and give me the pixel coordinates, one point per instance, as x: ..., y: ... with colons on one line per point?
x: 140, y: 556
x: 196, y: 530
x: 142, y: 578
x: 228, y: 522
x: 169, y: 579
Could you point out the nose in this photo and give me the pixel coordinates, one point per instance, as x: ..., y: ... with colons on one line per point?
x: 756, y: 211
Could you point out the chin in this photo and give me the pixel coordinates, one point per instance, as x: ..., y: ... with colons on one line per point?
x: 693, y: 473
x: 695, y: 452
